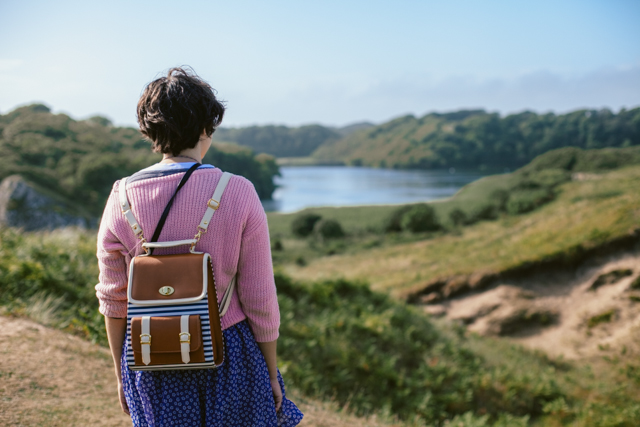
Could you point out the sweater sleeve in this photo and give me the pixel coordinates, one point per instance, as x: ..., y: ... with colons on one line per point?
x: 256, y: 284
x: 112, y: 287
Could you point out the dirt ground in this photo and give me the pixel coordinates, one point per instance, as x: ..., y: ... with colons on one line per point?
x: 49, y: 378
x: 568, y: 300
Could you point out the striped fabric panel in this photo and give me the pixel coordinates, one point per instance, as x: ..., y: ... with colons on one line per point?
x: 200, y: 308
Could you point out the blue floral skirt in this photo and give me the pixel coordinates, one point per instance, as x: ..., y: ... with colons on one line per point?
x: 238, y: 393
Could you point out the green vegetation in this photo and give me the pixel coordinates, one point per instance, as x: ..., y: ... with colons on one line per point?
x: 481, y: 235
x: 303, y: 225
x: 285, y: 142
x: 611, y: 277
x: 328, y: 229
x: 477, y: 139
x: 80, y: 160
x: 419, y: 218
x: 279, y: 141
x: 605, y: 317
x: 341, y: 341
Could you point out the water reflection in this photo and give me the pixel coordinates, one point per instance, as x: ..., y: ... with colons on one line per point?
x: 311, y: 186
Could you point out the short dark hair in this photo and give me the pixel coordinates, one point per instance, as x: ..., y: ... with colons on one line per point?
x: 174, y: 110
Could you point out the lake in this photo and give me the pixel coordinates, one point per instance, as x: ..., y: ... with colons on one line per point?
x: 301, y: 187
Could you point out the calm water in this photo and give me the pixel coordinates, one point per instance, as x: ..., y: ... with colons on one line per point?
x: 310, y: 186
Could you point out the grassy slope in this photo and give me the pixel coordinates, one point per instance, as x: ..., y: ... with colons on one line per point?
x: 43, y: 388
x: 586, y: 213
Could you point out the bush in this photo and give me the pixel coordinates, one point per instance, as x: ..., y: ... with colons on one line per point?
x: 419, y: 218
x: 458, y: 217
x: 303, y: 224
x: 329, y: 229
x: 486, y: 212
x: 527, y: 200
x: 276, y: 245
x: 394, y: 222
x: 499, y: 198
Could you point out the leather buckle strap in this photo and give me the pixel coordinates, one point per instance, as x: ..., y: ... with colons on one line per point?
x: 145, y: 338
x: 126, y: 211
x: 213, y: 204
x: 185, y: 338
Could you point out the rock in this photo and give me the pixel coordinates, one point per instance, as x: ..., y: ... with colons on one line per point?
x: 26, y: 206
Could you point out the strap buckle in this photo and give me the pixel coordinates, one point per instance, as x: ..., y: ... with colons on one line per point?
x: 185, y: 337
x: 213, y: 204
x: 145, y: 339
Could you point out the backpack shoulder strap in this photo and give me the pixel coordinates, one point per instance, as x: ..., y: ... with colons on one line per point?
x: 212, y: 206
x: 226, y: 298
x: 214, y: 203
x: 126, y: 208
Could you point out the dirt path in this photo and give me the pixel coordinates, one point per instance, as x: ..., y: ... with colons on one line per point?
x: 49, y: 378
x: 566, y: 297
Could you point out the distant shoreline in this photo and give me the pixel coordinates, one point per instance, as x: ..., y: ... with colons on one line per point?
x: 306, y: 161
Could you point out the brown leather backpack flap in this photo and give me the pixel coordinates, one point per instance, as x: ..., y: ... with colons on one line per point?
x: 167, y: 277
x: 165, y: 340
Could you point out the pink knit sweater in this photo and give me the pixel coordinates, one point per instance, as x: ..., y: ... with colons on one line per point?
x: 237, y: 239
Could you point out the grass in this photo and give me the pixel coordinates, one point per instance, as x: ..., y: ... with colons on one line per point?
x: 565, y: 227
x: 604, y: 317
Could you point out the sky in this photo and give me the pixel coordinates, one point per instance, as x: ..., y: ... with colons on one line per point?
x: 328, y: 62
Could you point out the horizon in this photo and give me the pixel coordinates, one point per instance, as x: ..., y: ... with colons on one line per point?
x: 333, y: 64
x: 370, y: 122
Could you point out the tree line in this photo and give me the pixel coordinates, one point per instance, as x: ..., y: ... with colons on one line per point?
x: 473, y: 139
x: 81, y: 159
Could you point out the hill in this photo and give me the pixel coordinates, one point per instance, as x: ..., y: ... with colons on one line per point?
x: 283, y: 141
x: 80, y: 160
x: 476, y: 139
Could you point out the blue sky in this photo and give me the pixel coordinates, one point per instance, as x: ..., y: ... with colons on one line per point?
x: 329, y: 62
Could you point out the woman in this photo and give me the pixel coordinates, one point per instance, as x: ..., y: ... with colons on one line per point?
x: 179, y: 114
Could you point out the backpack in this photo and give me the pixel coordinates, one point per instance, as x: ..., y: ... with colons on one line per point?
x: 173, y: 317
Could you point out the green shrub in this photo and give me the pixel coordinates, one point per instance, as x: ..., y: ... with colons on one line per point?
x: 522, y: 201
x: 484, y: 212
x: 393, y: 223
x: 499, y: 198
x: 548, y: 178
x: 458, y: 217
x: 303, y: 224
x: 420, y: 218
x: 329, y: 229
x: 604, y: 317
x: 276, y: 245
